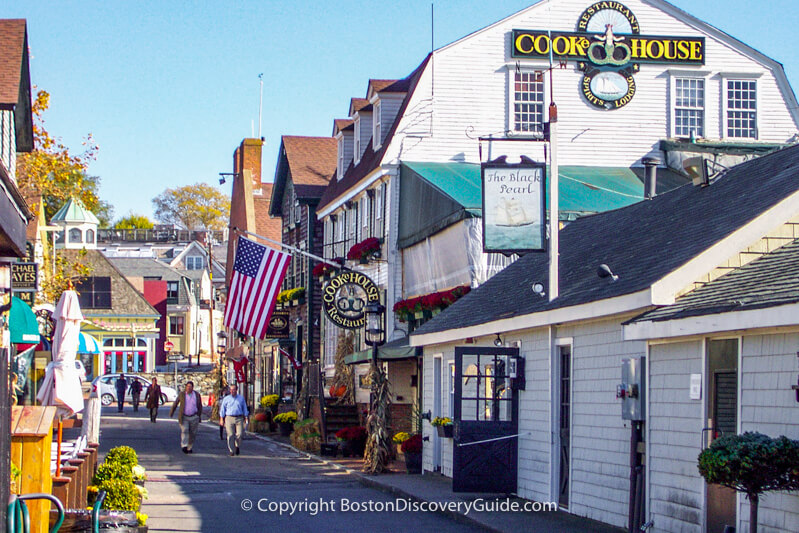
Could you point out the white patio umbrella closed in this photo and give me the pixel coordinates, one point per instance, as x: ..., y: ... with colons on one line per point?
x: 61, y: 386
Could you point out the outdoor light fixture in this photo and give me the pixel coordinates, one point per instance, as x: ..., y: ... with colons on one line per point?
x: 221, y: 343
x: 223, y: 176
x: 538, y: 288
x: 498, y: 341
x: 375, y: 324
x: 603, y: 271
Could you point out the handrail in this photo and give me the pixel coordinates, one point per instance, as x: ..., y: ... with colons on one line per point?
x: 461, y: 445
x: 96, y: 511
x: 18, y: 509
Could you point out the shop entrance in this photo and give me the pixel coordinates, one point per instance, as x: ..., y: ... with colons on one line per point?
x: 485, y: 453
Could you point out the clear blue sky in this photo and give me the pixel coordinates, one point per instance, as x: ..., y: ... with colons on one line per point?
x: 169, y: 88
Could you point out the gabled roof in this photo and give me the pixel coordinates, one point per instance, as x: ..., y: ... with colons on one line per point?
x: 770, y: 280
x: 15, y: 79
x: 342, y: 124
x: 642, y: 244
x: 146, y: 267
x: 359, y: 104
x: 73, y: 211
x: 376, y: 86
x: 13, y: 47
x: 309, y: 163
x: 370, y: 159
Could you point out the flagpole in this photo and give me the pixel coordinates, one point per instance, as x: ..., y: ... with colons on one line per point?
x: 290, y: 248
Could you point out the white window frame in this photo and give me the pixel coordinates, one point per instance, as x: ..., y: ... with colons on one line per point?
x: 356, y: 141
x: 191, y: 262
x: 511, y: 122
x: 365, y: 216
x: 340, y: 168
x: 377, y: 134
x: 743, y: 77
x: 703, y: 108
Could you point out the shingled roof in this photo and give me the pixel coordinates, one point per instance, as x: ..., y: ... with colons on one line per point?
x: 311, y: 161
x: 371, y: 159
x: 641, y: 243
x: 15, y: 82
x: 768, y: 281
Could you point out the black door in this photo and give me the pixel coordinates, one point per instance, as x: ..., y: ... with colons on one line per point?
x: 485, y: 454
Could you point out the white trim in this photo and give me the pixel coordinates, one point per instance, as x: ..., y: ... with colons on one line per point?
x: 510, y: 120
x: 356, y: 140
x: 728, y: 77
x: 705, y: 389
x: 596, y: 309
x: 665, y: 290
x: 377, y: 124
x: 377, y: 173
x: 672, y: 111
x: 780, y: 316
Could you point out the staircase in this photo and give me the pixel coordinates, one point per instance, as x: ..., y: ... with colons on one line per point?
x: 339, y: 417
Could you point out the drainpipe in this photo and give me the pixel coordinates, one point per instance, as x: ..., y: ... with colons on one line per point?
x: 651, y: 176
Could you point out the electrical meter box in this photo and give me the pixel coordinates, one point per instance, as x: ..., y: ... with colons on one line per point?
x: 631, y: 390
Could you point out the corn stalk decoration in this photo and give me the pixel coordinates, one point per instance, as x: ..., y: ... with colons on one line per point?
x: 342, y: 374
x: 378, y: 442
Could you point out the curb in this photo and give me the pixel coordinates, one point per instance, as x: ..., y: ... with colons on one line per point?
x: 368, y: 481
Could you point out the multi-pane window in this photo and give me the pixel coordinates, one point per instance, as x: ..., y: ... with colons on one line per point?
x: 741, y: 104
x: 340, y: 168
x: 94, y: 292
x: 352, y: 215
x: 528, y: 102
x: 176, y: 325
x: 365, y: 222
x: 377, y: 134
x: 357, y: 141
x: 194, y: 262
x: 379, y: 216
x: 689, y: 107
x: 172, y: 292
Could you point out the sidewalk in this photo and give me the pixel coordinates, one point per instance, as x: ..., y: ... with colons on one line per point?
x: 462, y: 507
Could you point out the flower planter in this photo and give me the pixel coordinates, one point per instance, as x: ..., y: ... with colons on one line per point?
x: 413, y: 462
x: 328, y: 449
x: 285, y: 428
x: 445, y: 431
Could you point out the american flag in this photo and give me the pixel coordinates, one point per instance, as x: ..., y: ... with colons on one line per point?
x: 258, y: 272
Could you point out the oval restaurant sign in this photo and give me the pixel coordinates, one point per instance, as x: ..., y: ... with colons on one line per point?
x: 608, y: 47
x: 344, y: 299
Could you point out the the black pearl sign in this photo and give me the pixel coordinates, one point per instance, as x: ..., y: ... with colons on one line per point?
x: 344, y: 299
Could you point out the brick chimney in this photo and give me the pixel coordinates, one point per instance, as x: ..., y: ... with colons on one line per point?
x: 248, y: 157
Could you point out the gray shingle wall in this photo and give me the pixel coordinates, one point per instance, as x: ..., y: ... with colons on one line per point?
x: 768, y: 405
x: 675, y: 426
x: 600, y: 440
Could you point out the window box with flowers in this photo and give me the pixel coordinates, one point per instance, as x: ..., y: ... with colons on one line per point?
x: 443, y: 426
x: 365, y: 250
x: 429, y: 305
x: 325, y: 271
x: 353, y: 440
x: 291, y: 297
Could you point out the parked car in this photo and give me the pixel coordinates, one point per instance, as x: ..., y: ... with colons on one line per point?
x: 105, y: 386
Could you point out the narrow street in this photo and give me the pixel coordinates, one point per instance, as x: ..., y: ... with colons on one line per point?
x: 205, y: 491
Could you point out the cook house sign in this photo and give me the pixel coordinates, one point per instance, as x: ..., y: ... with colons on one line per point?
x: 344, y: 299
x: 609, y: 48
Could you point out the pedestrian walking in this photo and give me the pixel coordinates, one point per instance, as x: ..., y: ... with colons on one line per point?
x: 122, y: 387
x: 222, y: 393
x: 234, y: 415
x: 135, y: 393
x: 152, y: 398
x: 190, y: 410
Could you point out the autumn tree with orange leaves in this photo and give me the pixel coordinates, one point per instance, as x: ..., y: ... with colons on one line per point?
x: 55, y: 175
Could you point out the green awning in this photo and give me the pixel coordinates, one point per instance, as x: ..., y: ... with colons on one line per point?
x: 392, y: 351
x: 22, y: 323
x: 458, y: 193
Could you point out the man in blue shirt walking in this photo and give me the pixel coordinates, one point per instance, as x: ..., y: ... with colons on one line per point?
x: 233, y: 415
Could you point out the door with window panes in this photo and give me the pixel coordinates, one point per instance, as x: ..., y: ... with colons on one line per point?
x: 485, y: 452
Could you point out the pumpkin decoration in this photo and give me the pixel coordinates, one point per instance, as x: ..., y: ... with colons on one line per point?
x: 261, y: 417
x: 337, y: 391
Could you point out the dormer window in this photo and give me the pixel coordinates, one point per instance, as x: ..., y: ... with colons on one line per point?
x: 377, y: 136
x: 194, y: 262
x: 356, y: 156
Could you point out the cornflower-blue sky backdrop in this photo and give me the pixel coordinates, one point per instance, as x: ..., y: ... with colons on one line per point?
x: 169, y: 88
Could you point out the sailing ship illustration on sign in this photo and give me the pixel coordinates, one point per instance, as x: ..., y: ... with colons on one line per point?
x: 510, y: 212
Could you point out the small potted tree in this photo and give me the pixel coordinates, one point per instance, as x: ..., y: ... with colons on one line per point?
x: 752, y: 463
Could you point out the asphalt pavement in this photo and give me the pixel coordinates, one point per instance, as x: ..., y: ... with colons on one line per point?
x: 269, y: 487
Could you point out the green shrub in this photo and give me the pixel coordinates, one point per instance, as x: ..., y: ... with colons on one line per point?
x: 111, y: 470
x: 123, y: 455
x: 121, y: 495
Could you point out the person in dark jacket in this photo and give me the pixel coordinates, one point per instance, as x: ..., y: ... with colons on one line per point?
x: 135, y: 393
x: 122, y: 387
x: 152, y: 398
